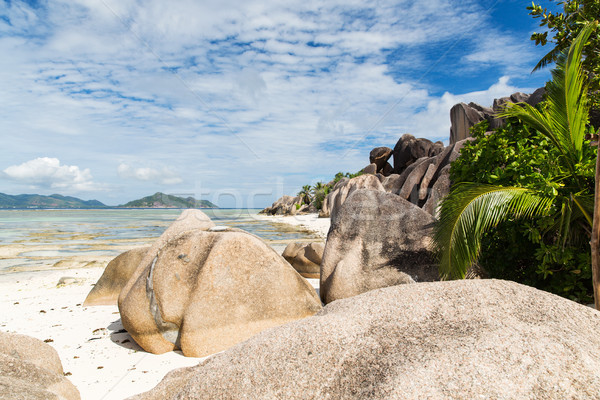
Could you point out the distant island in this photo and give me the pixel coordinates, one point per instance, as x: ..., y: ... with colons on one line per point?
x: 40, y: 201
x: 161, y: 200
x: 158, y: 200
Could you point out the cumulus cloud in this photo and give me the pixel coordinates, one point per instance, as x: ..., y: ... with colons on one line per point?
x: 46, y: 172
x: 238, y: 91
x: 165, y: 176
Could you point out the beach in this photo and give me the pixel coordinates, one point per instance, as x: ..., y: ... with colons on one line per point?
x: 98, y: 356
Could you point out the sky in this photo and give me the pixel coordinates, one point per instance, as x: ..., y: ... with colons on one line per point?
x: 239, y: 101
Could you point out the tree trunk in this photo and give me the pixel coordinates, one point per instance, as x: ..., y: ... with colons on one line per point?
x: 596, y: 235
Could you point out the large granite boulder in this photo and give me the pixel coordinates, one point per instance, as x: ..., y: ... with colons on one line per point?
x: 413, y: 176
x: 305, y: 258
x: 393, y: 183
x: 114, y: 278
x: 379, y: 156
x: 439, y: 190
x: 205, y: 291
x: 328, y: 202
x: 482, y: 339
x: 31, y: 370
x: 188, y: 220
x: 409, y: 149
x: 344, y: 188
x: 376, y: 239
x: 462, y: 118
x: 370, y: 169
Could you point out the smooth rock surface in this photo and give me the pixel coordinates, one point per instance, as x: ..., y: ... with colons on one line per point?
x: 376, y: 239
x: 116, y: 275
x: 469, y: 339
x: 189, y: 220
x: 206, y: 291
x: 344, y: 188
x: 409, y: 149
x: 379, y: 156
x: 370, y: 169
x: 462, y: 118
x: 305, y: 258
x: 30, y: 370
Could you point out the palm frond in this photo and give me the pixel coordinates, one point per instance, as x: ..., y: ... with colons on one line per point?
x: 469, y: 211
x: 548, y: 59
x: 566, y: 116
x: 585, y: 206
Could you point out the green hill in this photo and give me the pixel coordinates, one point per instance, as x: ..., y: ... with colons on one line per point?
x: 40, y: 201
x: 161, y: 200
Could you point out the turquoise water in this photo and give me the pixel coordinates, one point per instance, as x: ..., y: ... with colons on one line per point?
x: 38, y: 239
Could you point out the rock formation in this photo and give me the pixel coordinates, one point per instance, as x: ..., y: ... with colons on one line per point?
x: 205, y: 291
x: 409, y: 149
x: 464, y: 116
x: 115, y: 277
x: 285, y: 205
x: 376, y: 239
x: 344, y: 188
x: 305, y: 258
x: 419, y: 173
x: 31, y: 370
x: 484, y: 339
x: 189, y: 220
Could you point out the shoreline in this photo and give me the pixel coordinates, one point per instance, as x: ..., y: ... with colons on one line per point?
x: 310, y: 222
x: 98, y: 356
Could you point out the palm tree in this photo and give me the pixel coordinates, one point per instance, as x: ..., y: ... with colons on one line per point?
x: 472, y: 209
x: 318, y: 186
x: 306, y: 194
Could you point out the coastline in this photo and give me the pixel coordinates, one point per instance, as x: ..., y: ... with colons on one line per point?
x: 98, y: 356
x: 310, y: 222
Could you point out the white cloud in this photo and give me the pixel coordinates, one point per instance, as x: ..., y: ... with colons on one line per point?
x: 235, y: 92
x: 46, y: 172
x: 165, y: 176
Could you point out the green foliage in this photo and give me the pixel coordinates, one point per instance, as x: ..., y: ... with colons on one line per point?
x: 317, y: 194
x: 519, y: 156
x: 549, y: 169
x: 306, y: 194
x: 565, y: 26
x: 338, y: 177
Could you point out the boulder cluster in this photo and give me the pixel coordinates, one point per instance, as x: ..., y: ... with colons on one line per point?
x: 203, y: 288
x: 464, y: 116
x: 288, y: 205
x: 420, y: 174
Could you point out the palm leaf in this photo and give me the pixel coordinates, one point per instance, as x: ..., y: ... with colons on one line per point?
x: 472, y: 209
x: 548, y: 59
x: 566, y: 116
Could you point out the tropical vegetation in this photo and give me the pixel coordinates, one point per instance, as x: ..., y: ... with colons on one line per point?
x: 533, y: 182
x: 315, y: 195
x: 564, y: 27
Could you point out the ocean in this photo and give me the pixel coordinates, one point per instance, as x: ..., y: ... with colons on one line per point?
x: 32, y: 240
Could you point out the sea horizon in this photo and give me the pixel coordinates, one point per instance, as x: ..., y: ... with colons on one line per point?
x: 43, y: 239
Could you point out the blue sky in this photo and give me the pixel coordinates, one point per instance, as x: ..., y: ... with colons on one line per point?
x: 238, y: 102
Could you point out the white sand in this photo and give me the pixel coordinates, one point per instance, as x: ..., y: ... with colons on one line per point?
x: 311, y: 222
x: 99, y: 357
x: 87, y: 339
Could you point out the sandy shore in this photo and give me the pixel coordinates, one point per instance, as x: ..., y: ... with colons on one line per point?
x: 98, y: 356
x: 310, y: 222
